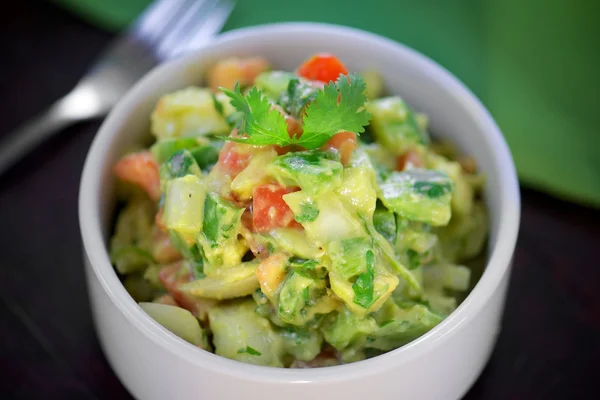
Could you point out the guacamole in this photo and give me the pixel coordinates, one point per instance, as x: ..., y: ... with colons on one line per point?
x: 296, y: 219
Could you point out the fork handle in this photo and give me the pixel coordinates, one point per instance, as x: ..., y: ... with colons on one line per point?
x: 27, y: 137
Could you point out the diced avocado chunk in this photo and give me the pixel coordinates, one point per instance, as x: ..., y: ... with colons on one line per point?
x: 313, y: 170
x: 239, y: 333
x: 297, y: 96
x: 184, y: 206
x: 384, y: 222
x: 304, y: 287
x: 165, y: 148
x: 130, y: 259
x: 464, y: 237
x: 369, y: 290
x: 274, y: 83
x: 189, y: 112
x: 293, y: 241
x: 414, y: 236
x: 207, y: 156
x: 253, y: 175
x: 139, y: 288
x: 225, y: 284
x: 131, y: 244
x: 387, y: 256
x: 440, y: 302
x: 398, y: 326
x: 447, y: 276
x: 333, y: 221
x: 419, y: 195
x: 302, y: 344
x: 374, y: 82
x: 180, y: 164
x: 344, y: 329
x: 394, y: 124
x: 179, y: 321
x: 357, y: 190
x: 151, y: 275
x: 222, y: 222
x: 348, y: 256
x: 187, y: 247
x: 462, y: 191
x: 296, y: 289
x: 293, y: 297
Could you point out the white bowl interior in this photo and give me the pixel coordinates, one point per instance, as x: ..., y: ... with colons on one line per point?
x: 453, y: 111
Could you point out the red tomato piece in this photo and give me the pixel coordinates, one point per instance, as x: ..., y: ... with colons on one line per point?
x: 269, y: 210
x: 344, y: 143
x: 141, y: 169
x: 322, y: 67
x: 232, y: 160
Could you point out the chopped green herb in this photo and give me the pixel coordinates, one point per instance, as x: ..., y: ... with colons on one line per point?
x: 249, y: 350
x: 218, y: 105
x: 297, y: 96
x: 363, y: 286
x: 308, y: 212
x: 384, y: 222
x: 301, y: 264
x: 262, y: 124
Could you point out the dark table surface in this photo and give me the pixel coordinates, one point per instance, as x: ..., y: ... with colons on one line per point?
x: 550, y: 342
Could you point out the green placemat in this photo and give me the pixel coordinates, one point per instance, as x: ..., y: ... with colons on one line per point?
x: 535, y: 64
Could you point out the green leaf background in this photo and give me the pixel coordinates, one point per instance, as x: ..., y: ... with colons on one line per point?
x: 535, y: 64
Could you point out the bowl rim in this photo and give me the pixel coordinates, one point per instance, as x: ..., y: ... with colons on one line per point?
x: 497, y: 267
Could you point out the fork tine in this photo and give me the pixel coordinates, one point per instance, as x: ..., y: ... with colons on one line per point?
x: 201, y: 33
x: 152, y: 23
x: 193, y: 15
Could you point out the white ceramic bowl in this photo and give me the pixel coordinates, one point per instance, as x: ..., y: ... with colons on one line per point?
x: 442, y: 364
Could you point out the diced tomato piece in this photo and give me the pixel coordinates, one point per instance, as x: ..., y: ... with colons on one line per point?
x: 322, y: 67
x: 409, y: 157
x: 344, y: 143
x: 140, y: 169
x: 269, y: 210
x: 282, y: 150
x: 232, y: 160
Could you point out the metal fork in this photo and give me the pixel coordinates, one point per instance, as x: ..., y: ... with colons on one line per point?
x: 166, y: 29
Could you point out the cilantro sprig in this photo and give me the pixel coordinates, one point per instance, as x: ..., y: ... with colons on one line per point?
x: 363, y: 286
x: 338, y: 107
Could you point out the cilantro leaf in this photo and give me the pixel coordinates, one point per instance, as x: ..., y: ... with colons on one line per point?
x: 261, y: 124
x: 218, y: 106
x: 326, y: 116
x: 308, y: 212
x: 297, y: 96
x: 363, y: 286
x: 338, y: 107
x: 249, y: 350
